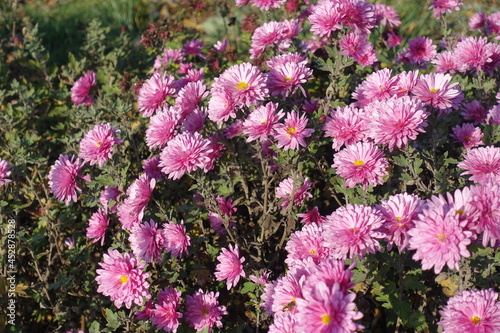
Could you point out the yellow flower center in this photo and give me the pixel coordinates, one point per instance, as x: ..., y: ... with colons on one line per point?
x: 242, y: 85
x: 287, y: 79
x: 313, y: 252
x: 204, y: 312
x: 475, y: 320
x: 434, y: 90
x: 291, y: 130
x: 358, y: 163
x: 123, y: 279
x: 326, y: 319
x: 460, y: 212
x: 98, y: 144
x: 441, y: 238
x: 399, y: 218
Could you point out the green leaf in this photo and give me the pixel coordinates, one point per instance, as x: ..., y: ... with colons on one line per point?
x: 248, y: 287
x: 95, y: 327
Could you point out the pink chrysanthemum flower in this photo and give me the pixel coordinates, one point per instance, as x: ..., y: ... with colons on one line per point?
x: 473, y: 53
x: 63, y: 176
x: 146, y: 241
x: 152, y: 168
x: 358, y: 48
x: 359, y: 15
x: 486, y: 200
x: 327, y: 309
x: 195, y: 120
x: 189, y: 98
x: 306, y: 243
x: 406, y: 81
x: 174, y: 239
x: 439, y: 238
x: 377, y: 86
x: 153, y: 93
x: 221, y: 45
x: 393, y: 39
x: 444, y: 62
x: 203, y: 311
x: 283, y: 322
x: 221, y: 106
x: 122, y: 279
x: 474, y: 111
x: 165, y: 316
x: 329, y: 271
x: 483, y: 164
x: 145, y: 313
x: 286, y: 291
x: 97, y: 144
x: 262, y: 279
x: 395, y: 121
x: 444, y: 6
x: 386, y: 16
x: 399, y: 213
x: 312, y: 216
x: 109, y: 197
x: 269, y: 34
x: 80, y: 92
x: 353, y: 230
x: 185, y: 153
x: 98, y: 223
x: 478, y: 21
x: 162, y: 128
x: 292, y: 133
x: 4, y: 172
x: 472, y: 311
x: 468, y: 135
x: 346, y: 125
x: 267, y: 4
x: 361, y: 163
x: 437, y: 91
x: 420, y: 50
x: 169, y: 56
x: 493, y: 117
x: 285, y: 79
x: 245, y: 83
x: 296, y: 187
x: 192, y: 46
x: 226, y: 206
x: 260, y: 122
x: 325, y: 18
x: 131, y: 211
x: 216, y: 223
x: 230, y: 266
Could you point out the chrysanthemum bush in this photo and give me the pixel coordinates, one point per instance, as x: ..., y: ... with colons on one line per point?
x: 311, y: 168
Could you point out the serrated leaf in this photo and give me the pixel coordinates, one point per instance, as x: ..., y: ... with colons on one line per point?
x: 248, y: 287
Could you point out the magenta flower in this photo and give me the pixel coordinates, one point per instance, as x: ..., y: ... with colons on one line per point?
x: 399, y: 213
x: 185, y: 153
x: 80, y: 92
x: 468, y: 135
x: 437, y: 91
x: 165, y: 316
x: 152, y: 168
x: 153, y: 93
x: 174, y: 239
x: 357, y: 47
x: 444, y: 6
x: 312, y: 216
x: 131, y: 211
x: 292, y: 133
x: 361, y: 163
x: 377, y: 86
x: 98, y: 144
x: 230, y: 266
x: 485, y: 199
x: 325, y: 310
x: 329, y: 271
x: 4, y: 172
x: 294, y: 191
x: 162, y: 128
x: 109, y: 197
x: 267, y: 4
x: 395, y: 121
x: 483, y: 164
x: 146, y: 241
x: 98, y: 223
x: 63, y: 176
x: 190, y: 97
x: 325, y: 18
x: 420, y: 50
x: 203, y: 311
x: 472, y: 311
x: 306, y: 243
x: 439, y: 238
x: 346, y: 125
x: 122, y: 279
x: 353, y: 230
x: 386, y: 16
x: 145, y: 313
x: 358, y: 15
x: 260, y: 122
x: 474, y: 111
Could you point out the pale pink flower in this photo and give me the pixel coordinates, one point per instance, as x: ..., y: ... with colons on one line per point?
x: 165, y: 316
x: 493, y: 116
x: 131, y: 211
x: 268, y: 34
x: 230, y: 266
x: 399, y: 213
x: 386, y: 16
x: 444, y: 6
x: 292, y: 133
x: 169, y: 56
x: 285, y: 79
x: 329, y: 271
x: 444, y: 62
x: 152, y: 96
x: 185, y: 153
x: 357, y: 47
x: 260, y: 122
x: 395, y: 121
x: 346, y: 125
x: 361, y: 163
x: 478, y: 21
x: 267, y: 4
x: 306, y: 243
x: 146, y: 241
x: 286, y: 291
x: 485, y: 199
x: 221, y: 106
x: 353, y: 230
x: 483, y: 164
x: 473, y: 53
x: 437, y: 91
x: 471, y: 311
x: 221, y: 46
x: 293, y: 191
x: 283, y: 322
x: 4, y: 172
x: 468, y: 135
x: 357, y: 15
x: 190, y: 97
x: 262, y: 279
x: 98, y: 144
x: 325, y: 18
x: 312, y: 216
x: 162, y: 128
x: 195, y: 120
x: 98, y: 223
x: 122, y: 278
x: 80, y: 92
x: 377, y: 86
x: 63, y: 177
x: 203, y: 311
x: 174, y: 239
x: 439, y: 238
x: 406, y: 81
